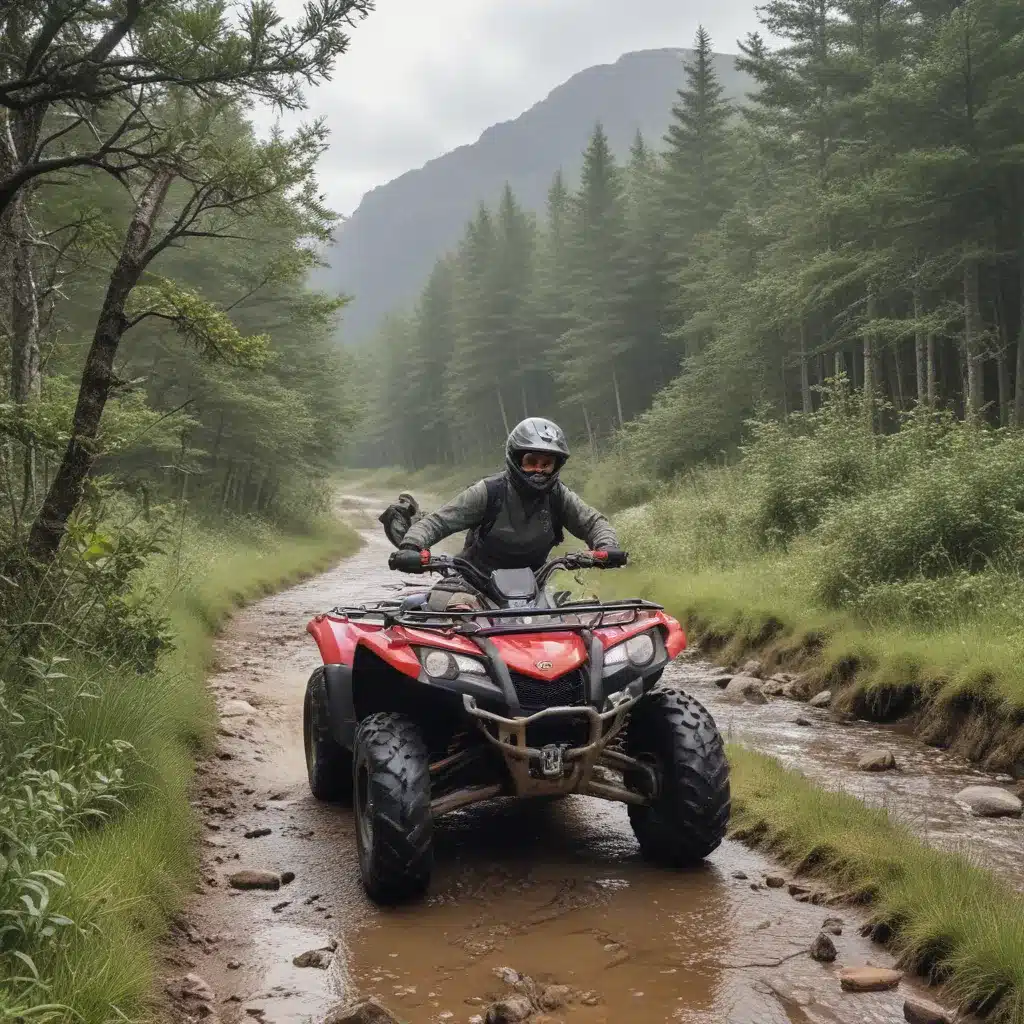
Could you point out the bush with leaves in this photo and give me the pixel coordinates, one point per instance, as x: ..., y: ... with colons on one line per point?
x: 52, y: 786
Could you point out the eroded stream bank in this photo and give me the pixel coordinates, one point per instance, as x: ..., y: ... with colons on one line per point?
x: 555, y: 891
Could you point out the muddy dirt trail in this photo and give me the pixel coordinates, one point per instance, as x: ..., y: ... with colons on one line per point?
x: 556, y: 891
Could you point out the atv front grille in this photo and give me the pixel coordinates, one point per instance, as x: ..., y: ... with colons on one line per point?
x: 537, y: 694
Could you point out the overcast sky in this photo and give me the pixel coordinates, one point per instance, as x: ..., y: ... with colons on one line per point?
x: 424, y: 76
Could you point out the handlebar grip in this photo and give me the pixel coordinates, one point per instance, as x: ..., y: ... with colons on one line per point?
x: 408, y: 560
x: 613, y: 559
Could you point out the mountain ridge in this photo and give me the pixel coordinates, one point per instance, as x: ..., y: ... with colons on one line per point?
x: 384, y: 251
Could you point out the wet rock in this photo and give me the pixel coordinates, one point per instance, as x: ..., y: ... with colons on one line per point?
x: 832, y: 925
x: 801, y: 720
x: 278, y: 907
x: 869, y: 979
x: 257, y: 833
x: 796, y: 889
x: 236, y: 709
x: 509, y: 976
x: 320, y: 958
x: 368, y: 1011
x: 255, y: 880
x: 774, y: 687
x: 991, y: 802
x: 590, y: 999
x: 722, y: 681
x: 509, y: 1011
x: 821, y: 700
x: 234, y: 965
x: 877, y: 759
x: 741, y: 875
x: 287, y: 877
x: 190, y: 989
x: 554, y: 997
x: 774, y: 881
x: 745, y: 688
x: 823, y: 949
x: 752, y: 668
x: 786, y: 992
x: 920, y: 1011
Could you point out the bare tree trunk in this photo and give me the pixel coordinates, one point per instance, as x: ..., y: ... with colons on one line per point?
x: 972, y: 339
x: 1018, y: 396
x: 98, y: 376
x: 869, y: 359
x: 933, y: 372
x: 900, y: 393
x: 590, y: 432
x: 1003, y: 366
x: 805, y: 372
x: 618, y: 397
x: 501, y: 406
x: 838, y: 364
x: 921, y: 354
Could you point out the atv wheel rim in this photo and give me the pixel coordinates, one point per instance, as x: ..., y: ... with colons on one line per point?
x: 310, y: 737
x: 364, y: 809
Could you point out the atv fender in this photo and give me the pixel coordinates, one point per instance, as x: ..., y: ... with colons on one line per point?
x: 340, y: 709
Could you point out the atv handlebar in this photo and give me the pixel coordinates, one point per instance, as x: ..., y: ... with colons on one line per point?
x: 410, y: 561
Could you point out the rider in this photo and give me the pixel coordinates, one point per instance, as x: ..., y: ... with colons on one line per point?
x: 514, y: 519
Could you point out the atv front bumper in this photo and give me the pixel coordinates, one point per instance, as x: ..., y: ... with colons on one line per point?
x: 556, y: 769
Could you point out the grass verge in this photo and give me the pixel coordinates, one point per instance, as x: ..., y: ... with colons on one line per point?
x: 962, y: 683
x: 944, y: 916
x: 126, y: 877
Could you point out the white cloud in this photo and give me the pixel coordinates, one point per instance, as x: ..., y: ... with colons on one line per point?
x: 424, y: 76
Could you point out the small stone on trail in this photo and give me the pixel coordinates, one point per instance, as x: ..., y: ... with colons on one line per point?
x: 554, y: 997
x: 590, y: 999
x: 741, y: 875
x: 287, y: 876
x: 795, y: 889
x: 314, y: 958
x: 869, y: 979
x: 745, y: 687
x: 774, y: 881
x: 920, y: 1011
x: 833, y: 925
x: 877, y: 759
x: 257, y: 833
x: 255, y: 880
x: 234, y: 965
x: 512, y: 1010
x: 236, y: 709
x: 225, y: 755
x: 805, y: 722
x: 278, y: 907
x: 821, y: 700
x: 190, y: 987
x: 823, y: 949
x: 991, y: 802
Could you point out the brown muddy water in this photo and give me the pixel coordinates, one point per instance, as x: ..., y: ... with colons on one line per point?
x: 921, y: 792
x: 556, y: 891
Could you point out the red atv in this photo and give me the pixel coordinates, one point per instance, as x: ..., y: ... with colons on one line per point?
x: 416, y: 713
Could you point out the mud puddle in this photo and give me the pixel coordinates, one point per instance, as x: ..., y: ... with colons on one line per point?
x: 555, y: 891
x: 921, y: 791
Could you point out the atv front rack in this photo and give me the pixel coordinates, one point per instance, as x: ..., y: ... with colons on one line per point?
x: 465, y: 622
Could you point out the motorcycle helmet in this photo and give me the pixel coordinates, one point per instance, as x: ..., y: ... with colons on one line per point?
x: 535, y: 435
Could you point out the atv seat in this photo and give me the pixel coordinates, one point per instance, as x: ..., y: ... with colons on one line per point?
x: 415, y: 602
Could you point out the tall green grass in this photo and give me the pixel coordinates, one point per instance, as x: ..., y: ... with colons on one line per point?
x: 948, y: 917
x: 126, y: 875
x: 901, y: 555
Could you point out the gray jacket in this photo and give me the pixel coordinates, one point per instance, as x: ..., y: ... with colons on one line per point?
x: 523, y: 533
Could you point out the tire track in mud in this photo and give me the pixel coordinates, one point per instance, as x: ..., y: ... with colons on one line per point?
x: 555, y: 890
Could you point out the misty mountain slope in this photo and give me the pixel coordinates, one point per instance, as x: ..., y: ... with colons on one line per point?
x: 384, y: 252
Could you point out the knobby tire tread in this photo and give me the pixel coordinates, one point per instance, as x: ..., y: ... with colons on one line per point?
x: 330, y: 775
x: 691, y: 814
x: 398, y: 866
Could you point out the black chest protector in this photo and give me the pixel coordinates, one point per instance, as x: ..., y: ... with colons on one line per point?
x: 515, y: 534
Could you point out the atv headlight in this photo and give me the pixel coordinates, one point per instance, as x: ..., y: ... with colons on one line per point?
x: 445, y: 665
x: 637, y: 650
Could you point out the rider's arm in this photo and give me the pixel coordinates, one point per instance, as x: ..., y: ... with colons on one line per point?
x: 462, y: 513
x: 587, y: 523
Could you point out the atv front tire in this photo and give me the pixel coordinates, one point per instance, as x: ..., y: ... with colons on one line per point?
x: 394, y: 824
x: 328, y: 764
x: 678, y: 738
